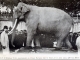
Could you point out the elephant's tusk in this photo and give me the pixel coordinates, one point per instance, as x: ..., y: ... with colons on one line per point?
x: 13, y: 27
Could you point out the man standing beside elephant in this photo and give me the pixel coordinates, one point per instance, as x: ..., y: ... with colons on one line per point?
x: 5, y: 40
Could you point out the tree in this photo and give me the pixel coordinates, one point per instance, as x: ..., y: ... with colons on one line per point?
x: 67, y: 5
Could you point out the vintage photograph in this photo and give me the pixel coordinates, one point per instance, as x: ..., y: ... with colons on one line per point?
x: 40, y: 26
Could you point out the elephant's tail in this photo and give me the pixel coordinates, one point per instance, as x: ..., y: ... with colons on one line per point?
x: 73, y: 25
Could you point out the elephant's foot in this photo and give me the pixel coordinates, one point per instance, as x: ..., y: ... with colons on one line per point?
x: 25, y: 49
x: 28, y: 47
x: 70, y: 49
x: 58, y: 48
x: 37, y: 47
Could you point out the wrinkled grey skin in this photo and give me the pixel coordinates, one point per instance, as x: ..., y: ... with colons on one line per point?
x: 47, y: 20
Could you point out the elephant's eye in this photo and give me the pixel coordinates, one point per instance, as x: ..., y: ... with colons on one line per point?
x: 19, y: 11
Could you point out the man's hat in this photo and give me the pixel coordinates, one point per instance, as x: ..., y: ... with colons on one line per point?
x: 5, y: 27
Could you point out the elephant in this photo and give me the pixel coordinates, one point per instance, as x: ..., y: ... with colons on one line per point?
x: 43, y: 20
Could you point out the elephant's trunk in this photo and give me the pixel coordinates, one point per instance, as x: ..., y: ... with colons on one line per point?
x: 13, y: 31
x: 15, y: 23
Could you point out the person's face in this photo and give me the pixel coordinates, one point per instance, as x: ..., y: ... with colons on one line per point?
x: 6, y: 30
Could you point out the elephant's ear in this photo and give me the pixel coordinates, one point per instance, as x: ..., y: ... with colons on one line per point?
x: 22, y: 7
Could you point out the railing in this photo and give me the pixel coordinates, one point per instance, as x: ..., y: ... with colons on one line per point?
x: 6, y: 17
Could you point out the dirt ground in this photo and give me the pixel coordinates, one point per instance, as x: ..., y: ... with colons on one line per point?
x: 46, y: 50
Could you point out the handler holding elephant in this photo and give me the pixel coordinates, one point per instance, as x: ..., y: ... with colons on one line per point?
x: 45, y: 20
x: 5, y: 40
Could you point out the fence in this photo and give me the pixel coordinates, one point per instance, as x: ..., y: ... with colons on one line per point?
x: 5, y: 16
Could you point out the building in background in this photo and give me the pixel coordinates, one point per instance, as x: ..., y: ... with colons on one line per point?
x: 21, y: 25
x: 3, y: 23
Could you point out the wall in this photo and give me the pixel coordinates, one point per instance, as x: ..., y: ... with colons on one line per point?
x: 3, y: 23
x: 76, y: 27
x: 21, y: 26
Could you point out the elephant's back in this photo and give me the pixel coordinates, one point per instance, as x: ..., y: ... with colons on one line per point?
x: 51, y: 13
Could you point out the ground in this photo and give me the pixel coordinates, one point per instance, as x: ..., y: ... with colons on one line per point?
x: 46, y: 50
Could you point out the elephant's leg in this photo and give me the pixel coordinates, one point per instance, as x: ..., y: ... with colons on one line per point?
x: 29, y: 40
x: 60, y: 39
x: 68, y: 43
x: 37, y: 42
x: 30, y: 37
x: 59, y: 43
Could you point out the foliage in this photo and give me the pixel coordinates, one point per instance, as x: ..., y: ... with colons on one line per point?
x: 9, y: 2
x: 67, y: 5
